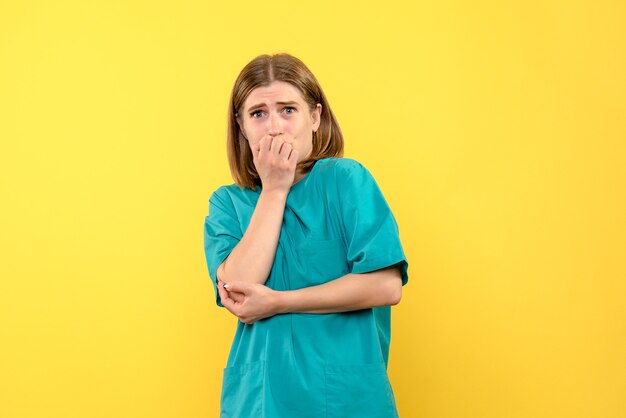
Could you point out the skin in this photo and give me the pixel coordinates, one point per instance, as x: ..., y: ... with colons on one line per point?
x: 279, y: 126
x: 279, y: 135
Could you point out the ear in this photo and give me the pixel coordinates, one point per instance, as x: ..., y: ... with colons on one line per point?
x: 316, y: 116
x: 240, y: 123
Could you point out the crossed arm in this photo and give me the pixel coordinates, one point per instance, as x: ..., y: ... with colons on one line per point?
x: 242, y: 275
x: 253, y: 301
x: 247, y: 267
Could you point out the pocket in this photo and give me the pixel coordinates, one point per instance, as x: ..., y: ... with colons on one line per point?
x: 324, y: 260
x: 359, y: 390
x: 242, y: 390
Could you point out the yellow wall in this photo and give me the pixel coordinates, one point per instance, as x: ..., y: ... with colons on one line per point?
x: 495, y: 129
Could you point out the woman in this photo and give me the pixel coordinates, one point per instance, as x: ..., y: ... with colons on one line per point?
x: 305, y: 251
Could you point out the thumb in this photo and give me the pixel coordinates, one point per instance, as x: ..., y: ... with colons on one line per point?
x: 236, y: 287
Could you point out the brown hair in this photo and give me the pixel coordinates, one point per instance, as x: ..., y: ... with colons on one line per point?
x: 261, y: 72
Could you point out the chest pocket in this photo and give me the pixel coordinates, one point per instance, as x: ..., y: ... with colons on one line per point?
x: 324, y: 260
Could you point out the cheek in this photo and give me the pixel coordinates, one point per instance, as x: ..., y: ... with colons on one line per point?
x: 302, y: 130
x: 254, y: 134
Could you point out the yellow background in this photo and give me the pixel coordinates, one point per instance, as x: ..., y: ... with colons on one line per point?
x: 495, y: 129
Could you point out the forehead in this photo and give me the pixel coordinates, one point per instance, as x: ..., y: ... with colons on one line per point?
x: 278, y: 91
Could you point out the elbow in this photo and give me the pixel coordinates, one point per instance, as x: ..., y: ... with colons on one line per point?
x: 225, y: 278
x: 393, y: 291
x: 220, y: 273
x: 394, y: 283
x: 396, y: 294
x: 391, y: 286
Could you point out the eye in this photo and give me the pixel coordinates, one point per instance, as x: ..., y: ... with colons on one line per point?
x: 293, y: 109
x: 255, y: 113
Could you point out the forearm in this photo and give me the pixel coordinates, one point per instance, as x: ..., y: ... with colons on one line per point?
x: 347, y: 293
x: 252, y: 258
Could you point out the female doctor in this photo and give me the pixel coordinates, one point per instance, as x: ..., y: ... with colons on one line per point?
x: 303, y: 249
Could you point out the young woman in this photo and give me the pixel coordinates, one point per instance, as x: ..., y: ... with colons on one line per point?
x: 305, y: 251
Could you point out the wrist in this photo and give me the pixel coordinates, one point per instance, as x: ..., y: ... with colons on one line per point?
x: 282, y: 301
x: 275, y: 193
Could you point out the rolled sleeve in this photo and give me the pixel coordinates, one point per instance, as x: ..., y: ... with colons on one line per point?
x: 370, y: 229
x: 222, y: 232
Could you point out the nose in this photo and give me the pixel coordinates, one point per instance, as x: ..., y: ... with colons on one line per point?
x: 274, y: 125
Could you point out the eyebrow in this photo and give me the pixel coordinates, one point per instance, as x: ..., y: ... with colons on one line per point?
x: 256, y: 106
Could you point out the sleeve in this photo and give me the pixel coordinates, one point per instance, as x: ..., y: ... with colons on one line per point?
x: 371, y: 232
x: 222, y: 232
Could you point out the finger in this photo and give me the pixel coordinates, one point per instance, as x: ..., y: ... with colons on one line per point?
x: 231, y: 306
x: 227, y: 301
x: 237, y: 297
x: 294, y: 155
x: 235, y: 286
x: 222, y: 292
x: 285, y: 150
x: 277, y: 143
x: 265, y: 143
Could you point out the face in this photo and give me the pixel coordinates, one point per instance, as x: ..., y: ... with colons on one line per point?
x: 279, y: 109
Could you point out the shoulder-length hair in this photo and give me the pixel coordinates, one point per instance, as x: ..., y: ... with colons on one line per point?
x: 261, y: 72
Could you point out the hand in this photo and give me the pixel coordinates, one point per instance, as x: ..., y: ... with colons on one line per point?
x: 248, y: 301
x: 236, y: 296
x: 275, y: 160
